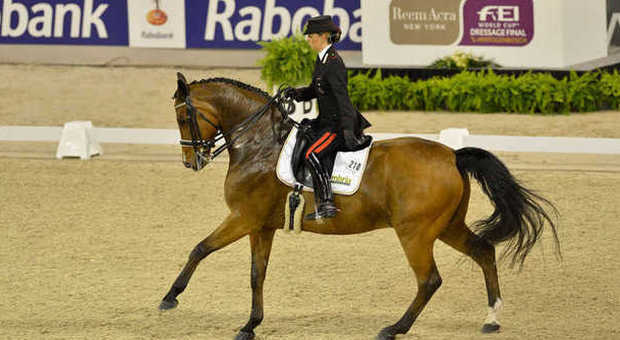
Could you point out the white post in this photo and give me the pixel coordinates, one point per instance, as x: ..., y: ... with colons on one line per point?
x: 453, y: 137
x: 77, y: 140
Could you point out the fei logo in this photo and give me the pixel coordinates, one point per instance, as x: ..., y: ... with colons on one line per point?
x: 498, y: 22
x: 98, y: 22
x: 499, y: 13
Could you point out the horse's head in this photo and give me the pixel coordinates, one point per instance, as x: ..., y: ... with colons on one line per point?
x: 199, y: 125
x: 218, y: 109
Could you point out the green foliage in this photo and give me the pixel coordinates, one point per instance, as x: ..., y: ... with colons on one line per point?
x: 584, y: 93
x: 291, y: 61
x: 610, y: 90
x: 463, y: 61
x: 368, y: 91
x: 287, y: 61
x: 486, y: 91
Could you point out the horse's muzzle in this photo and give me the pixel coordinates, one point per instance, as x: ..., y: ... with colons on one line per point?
x: 197, y: 165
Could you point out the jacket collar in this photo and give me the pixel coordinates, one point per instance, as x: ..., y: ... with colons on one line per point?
x: 323, y: 53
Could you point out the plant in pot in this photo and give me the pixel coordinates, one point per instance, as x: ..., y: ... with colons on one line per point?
x: 463, y: 61
x: 289, y: 61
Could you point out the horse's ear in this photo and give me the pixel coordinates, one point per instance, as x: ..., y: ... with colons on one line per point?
x: 182, y: 87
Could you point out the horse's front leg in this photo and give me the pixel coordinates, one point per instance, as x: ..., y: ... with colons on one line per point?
x: 260, y: 242
x: 233, y: 228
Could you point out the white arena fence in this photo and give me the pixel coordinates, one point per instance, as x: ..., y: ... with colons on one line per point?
x: 455, y: 138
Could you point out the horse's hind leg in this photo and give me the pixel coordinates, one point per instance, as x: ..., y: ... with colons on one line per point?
x: 419, y: 251
x: 232, y: 229
x: 459, y: 237
x: 260, y: 243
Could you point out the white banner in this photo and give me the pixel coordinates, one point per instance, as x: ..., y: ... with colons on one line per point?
x: 513, y: 33
x: 156, y: 23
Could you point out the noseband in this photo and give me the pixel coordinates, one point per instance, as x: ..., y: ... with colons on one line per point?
x: 200, y: 144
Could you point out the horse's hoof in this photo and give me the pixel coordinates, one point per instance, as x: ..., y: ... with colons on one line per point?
x: 385, y: 334
x: 245, y: 335
x: 166, y: 305
x: 490, y: 328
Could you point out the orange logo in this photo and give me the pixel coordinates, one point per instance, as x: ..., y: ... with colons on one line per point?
x: 156, y: 16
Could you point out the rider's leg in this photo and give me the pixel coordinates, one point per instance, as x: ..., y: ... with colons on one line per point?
x: 323, y: 195
x: 317, y: 184
x: 326, y: 144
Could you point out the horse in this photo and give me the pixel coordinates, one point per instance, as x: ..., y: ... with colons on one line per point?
x: 420, y: 188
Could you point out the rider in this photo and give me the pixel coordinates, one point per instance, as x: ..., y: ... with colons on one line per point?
x: 339, y: 125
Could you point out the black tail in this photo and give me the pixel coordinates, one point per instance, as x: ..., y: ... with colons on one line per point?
x: 518, y: 217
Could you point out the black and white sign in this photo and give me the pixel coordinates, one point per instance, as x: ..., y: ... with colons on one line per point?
x: 613, y: 20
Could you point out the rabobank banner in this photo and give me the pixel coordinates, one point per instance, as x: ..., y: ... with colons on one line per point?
x: 242, y: 23
x: 235, y: 24
x: 67, y: 22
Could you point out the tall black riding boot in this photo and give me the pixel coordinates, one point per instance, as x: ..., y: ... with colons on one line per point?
x: 323, y: 195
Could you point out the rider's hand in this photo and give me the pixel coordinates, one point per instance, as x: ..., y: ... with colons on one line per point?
x: 289, y: 93
x: 352, y: 142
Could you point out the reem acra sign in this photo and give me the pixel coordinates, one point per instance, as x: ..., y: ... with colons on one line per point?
x: 462, y: 22
x: 423, y: 22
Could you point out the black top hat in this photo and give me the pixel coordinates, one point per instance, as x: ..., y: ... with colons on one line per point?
x: 320, y: 24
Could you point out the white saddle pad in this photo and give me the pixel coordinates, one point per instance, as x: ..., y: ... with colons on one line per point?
x: 348, y: 167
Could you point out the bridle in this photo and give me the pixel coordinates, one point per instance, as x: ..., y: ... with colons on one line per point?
x: 198, y: 142
x: 202, y: 146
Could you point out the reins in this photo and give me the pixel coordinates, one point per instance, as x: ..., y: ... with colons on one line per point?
x: 198, y: 142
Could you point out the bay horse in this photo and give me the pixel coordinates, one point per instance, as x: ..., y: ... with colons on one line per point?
x: 419, y: 188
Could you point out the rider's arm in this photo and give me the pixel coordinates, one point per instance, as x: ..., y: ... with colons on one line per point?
x: 305, y: 93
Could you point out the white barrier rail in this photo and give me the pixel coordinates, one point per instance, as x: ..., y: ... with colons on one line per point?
x: 102, y: 135
x: 488, y: 142
x: 544, y: 144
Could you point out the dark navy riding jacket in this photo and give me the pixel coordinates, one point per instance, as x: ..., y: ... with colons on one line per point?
x: 329, y: 86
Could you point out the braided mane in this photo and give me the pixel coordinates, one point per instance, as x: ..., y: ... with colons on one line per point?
x: 278, y: 104
x: 287, y: 124
x: 233, y: 82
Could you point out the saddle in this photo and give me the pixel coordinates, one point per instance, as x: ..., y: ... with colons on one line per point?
x: 346, y: 168
x: 351, y: 164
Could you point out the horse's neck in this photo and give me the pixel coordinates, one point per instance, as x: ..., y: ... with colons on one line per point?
x: 260, y: 143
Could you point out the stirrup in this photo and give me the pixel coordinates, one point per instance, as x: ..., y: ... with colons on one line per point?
x: 325, y: 210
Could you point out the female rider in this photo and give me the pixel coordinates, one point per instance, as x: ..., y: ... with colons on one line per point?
x: 339, y: 125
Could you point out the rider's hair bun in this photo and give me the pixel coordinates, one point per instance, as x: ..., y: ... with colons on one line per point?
x: 334, y: 37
